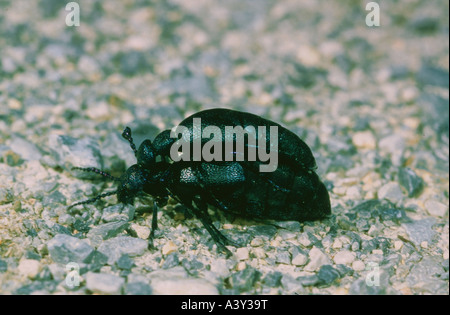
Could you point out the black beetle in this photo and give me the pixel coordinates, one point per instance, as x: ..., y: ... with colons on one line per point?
x: 292, y: 191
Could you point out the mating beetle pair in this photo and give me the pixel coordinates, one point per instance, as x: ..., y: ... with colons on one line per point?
x: 292, y: 192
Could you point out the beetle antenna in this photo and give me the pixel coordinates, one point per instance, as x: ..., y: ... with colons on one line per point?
x: 92, y: 200
x: 126, y: 134
x: 97, y: 171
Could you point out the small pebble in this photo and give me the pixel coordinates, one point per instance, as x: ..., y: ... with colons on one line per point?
x: 398, y: 245
x: 410, y: 181
x: 327, y: 274
x: 256, y: 242
x: 169, y: 248
x: 26, y: 149
x: 138, y: 288
x: 64, y: 249
x: 344, y: 257
x: 337, y: 244
x: 364, y: 140
x: 355, y: 246
x: 317, y: 259
x: 243, y: 280
x: 29, y: 268
x: 391, y: 191
x: 273, y: 279
x: 179, y: 285
x: 353, y: 192
x: 114, y: 248
x: 125, y: 262
x: 141, y: 231
x: 170, y: 261
x: 104, y: 283
x: 242, y: 253
x: 420, y: 230
x: 300, y: 259
x: 107, y: 230
x: 283, y: 258
x: 393, y: 144
x: 259, y: 253
x: 304, y: 240
x: 358, y: 265
x: 435, y: 208
x: 241, y: 266
x: 69, y: 152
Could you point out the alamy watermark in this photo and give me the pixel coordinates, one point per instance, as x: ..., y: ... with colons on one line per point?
x: 73, y: 17
x: 73, y: 275
x: 373, y: 277
x: 373, y: 17
x: 226, y: 144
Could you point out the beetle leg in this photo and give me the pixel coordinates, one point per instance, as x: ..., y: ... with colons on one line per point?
x: 154, y: 226
x: 202, y: 214
x: 218, y: 237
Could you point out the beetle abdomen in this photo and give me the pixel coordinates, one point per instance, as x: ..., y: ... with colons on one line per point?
x: 280, y: 195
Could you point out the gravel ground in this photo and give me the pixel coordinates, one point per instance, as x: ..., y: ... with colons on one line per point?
x: 371, y: 102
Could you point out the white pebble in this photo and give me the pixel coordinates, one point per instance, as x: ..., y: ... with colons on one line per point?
x: 169, y: 247
x: 177, y: 286
x: 220, y: 268
x: 391, y: 191
x: 259, y: 253
x: 398, y: 245
x: 29, y: 267
x: 409, y: 94
x: 241, y: 266
x: 353, y: 192
x: 304, y: 240
x: 256, y: 242
x: 435, y: 208
x: 317, y: 259
x: 344, y: 257
x: 373, y: 230
x: 98, y: 112
x: 358, y: 265
x: 104, y: 283
x: 141, y: 231
x: 337, y: 244
x: 300, y: 260
x: 392, y: 143
x: 242, y: 253
x: 364, y: 140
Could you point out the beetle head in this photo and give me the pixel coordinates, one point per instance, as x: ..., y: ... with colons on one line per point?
x: 135, y: 182
x: 131, y: 183
x: 137, y: 179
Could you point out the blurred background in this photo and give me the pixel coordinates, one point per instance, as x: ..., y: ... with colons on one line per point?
x: 371, y: 101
